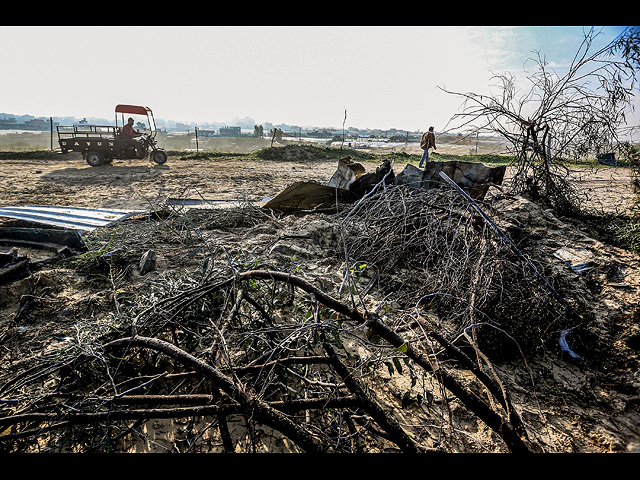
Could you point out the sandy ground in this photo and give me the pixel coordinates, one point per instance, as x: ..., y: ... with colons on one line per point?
x: 574, y: 409
x: 135, y: 184
x: 138, y: 183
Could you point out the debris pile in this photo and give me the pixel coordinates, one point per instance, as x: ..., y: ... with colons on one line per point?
x: 351, y: 182
x: 371, y: 314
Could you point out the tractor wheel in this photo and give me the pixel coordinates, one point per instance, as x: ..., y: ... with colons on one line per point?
x: 95, y: 159
x: 159, y: 156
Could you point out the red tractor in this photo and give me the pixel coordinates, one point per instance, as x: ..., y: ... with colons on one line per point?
x: 102, y: 144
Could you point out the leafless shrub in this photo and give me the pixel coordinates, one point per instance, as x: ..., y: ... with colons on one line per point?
x: 435, y: 254
x: 562, y: 117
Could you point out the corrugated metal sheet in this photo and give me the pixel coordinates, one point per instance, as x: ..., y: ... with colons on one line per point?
x: 85, y: 219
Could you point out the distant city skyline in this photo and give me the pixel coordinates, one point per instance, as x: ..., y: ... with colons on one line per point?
x: 363, y: 77
x: 245, y: 123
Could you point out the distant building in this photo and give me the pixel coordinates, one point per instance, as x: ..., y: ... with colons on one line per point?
x: 40, y: 124
x: 8, y: 123
x: 205, y: 133
x: 230, y: 131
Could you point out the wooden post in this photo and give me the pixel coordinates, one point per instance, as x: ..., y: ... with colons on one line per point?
x: 196, y: 129
x: 51, y: 126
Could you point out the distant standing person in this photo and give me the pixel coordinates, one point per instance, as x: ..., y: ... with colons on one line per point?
x: 428, y: 141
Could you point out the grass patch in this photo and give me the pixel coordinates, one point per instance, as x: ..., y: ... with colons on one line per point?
x: 32, y: 155
x: 204, y: 155
x: 628, y: 235
x: 310, y: 152
x: 303, y: 152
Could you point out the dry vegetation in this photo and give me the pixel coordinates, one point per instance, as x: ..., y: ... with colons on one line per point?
x: 401, y: 323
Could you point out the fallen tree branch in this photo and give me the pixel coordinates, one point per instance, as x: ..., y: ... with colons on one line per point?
x: 247, y: 400
x: 502, y: 427
x: 395, y: 432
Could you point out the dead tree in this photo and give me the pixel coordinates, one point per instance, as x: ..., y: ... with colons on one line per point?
x: 561, y: 118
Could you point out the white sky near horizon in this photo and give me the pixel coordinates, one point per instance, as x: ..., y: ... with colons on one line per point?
x: 384, y: 77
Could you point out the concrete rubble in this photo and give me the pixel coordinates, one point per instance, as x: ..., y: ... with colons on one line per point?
x: 351, y: 182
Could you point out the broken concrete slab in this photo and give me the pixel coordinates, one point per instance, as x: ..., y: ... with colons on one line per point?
x: 13, y: 267
x: 55, y: 240
x: 474, y: 178
x: 365, y: 183
x: 411, y: 176
x: 308, y: 195
x: 346, y: 173
x: 350, y: 182
x: 30, y: 248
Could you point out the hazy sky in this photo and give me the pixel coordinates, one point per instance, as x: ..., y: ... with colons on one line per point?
x: 383, y: 77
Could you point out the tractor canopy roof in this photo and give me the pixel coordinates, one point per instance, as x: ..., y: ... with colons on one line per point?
x: 135, y: 109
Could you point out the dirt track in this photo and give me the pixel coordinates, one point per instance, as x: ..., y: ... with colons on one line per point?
x: 137, y: 183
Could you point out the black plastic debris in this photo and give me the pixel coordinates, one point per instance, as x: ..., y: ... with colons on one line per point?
x: 13, y: 267
x: 30, y: 248
x: 607, y: 159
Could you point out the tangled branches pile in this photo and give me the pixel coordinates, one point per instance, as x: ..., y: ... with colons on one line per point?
x: 251, y: 356
x: 436, y: 254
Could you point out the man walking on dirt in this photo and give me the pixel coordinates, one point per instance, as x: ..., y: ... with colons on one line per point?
x: 428, y: 141
x: 129, y: 134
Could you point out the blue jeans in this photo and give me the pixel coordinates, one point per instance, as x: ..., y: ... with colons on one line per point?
x: 425, y: 157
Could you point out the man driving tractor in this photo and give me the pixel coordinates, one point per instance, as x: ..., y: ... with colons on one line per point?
x: 100, y: 144
x: 129, y: 134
